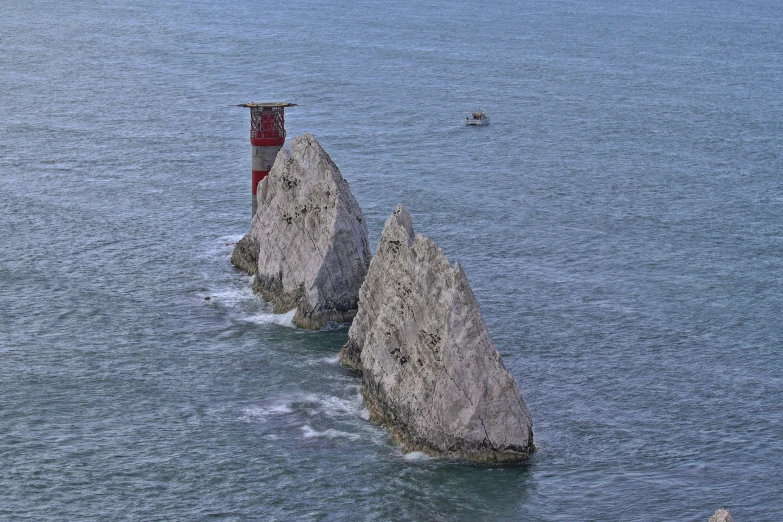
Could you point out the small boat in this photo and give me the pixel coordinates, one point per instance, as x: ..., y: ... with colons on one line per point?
x: 478, y: 118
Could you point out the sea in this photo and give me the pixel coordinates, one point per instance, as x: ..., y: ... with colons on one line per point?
x: 620, y: 222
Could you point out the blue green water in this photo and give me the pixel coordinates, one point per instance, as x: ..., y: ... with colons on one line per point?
x: 620, y: 222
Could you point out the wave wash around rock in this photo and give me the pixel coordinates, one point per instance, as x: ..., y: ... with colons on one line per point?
x: 430, y: 372
x: 307, y: 244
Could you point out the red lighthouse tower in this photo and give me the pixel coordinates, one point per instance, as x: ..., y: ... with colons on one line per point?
x: 267, y: 136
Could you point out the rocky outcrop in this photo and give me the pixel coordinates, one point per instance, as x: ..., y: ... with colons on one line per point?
x: 307, y: 243
x: 245, y: 255
x: 430, y: 372
x: 721, y: 515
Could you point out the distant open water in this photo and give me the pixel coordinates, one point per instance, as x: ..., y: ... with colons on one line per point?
x: 621, y: 223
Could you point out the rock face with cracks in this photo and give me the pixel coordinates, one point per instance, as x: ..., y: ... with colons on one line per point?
x: 307, y: 244
x: 430, y: 373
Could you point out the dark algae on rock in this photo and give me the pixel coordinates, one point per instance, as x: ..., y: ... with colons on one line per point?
x: 430, y: 373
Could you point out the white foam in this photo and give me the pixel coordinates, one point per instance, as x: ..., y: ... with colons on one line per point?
x: 259, y: 414
x: 232, y: 296
x: 310, y: 433
x: 280, y: 408
x: 286, y: 319
x: 231, y: 238
x: 325, y: 360
x: 304, y: 406
x: 237, y: 296
x: 332, y: 406
x: 222, y: 246
x: 416, y: 455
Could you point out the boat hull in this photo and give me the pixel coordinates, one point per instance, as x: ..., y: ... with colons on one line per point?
x: 477, y: 122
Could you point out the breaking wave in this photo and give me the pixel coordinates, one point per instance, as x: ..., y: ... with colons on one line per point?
x: 308, y: 406
x: 310, y: 433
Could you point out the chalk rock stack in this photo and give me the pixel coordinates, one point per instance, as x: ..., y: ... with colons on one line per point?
x: 430, y: 372
x: 307, y: 244
x: 721, y: 515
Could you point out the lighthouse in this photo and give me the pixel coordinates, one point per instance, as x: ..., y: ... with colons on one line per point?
x: 267, y: 136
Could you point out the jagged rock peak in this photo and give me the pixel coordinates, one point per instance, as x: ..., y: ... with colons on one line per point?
x: 721, y: 515
x: 430, y: 372
x: 308, y: 240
